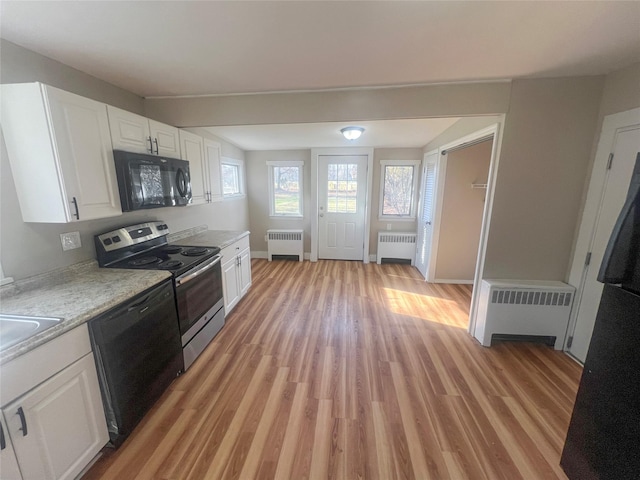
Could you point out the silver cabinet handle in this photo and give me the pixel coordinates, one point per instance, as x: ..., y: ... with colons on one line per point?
x: 150, y: 144
x: 155, y: 140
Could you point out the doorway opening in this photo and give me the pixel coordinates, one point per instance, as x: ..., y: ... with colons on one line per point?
x: 456, y: 197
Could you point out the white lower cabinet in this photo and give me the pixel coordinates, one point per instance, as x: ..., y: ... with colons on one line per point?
x: 58, y: 426
x: 8, y: 463
x: 236, y: 272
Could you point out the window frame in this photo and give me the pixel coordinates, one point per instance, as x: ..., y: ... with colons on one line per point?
x: 415, y: 164
x: 239, y: 164
x: 295, y: 163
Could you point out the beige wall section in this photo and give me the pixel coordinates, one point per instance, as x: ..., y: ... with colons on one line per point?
x: 32, y: 248
x: 462, y: 208
x: 19, y: 65
x: 258, y: 185
x: 621, y: 91
x: 345, y: 105
x: 546, y: 147
x: 396, y: 225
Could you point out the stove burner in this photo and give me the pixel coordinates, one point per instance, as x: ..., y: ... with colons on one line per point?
x: 172, y: 249
x: 171, y: 264
x: 139, y: 262
x: 195, y: 252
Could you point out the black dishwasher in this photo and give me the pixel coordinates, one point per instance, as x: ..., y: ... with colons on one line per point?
x: 138, y: 353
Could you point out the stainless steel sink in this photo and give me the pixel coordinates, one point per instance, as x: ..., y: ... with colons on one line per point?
x: 16, y: 328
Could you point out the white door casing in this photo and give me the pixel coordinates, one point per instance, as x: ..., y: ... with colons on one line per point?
x: 425, y: 213
x: 341, y: 206
x: 607, y: 191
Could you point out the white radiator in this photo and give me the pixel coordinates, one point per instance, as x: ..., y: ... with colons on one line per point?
x: 523, y: 308
x: 285, y: 242
x: 396, y: 245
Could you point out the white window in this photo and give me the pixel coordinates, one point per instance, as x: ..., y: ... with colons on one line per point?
x: 398, y: 185
x: 232, y: 171
x: 285, y: 189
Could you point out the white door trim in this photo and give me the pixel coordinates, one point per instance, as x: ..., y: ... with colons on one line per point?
x: 577, y: 275
x: 315, y: 153
x: 495, y: 130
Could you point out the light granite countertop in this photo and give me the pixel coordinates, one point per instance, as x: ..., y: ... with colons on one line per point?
x: 74, y: 294
x: 212, y: 238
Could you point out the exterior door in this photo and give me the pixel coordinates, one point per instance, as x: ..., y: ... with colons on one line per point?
x: 425, y: 220
x: 342, y: 184
x: 625, y: 150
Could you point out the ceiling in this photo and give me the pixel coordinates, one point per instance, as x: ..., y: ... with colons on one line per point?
x: 378, y: 134
x: 174, y: 48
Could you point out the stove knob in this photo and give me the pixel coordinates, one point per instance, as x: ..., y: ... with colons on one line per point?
x: 115, y: 239
x: 107, y: 241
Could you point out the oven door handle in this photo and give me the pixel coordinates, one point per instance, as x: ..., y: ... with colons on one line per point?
x: 203, y: 268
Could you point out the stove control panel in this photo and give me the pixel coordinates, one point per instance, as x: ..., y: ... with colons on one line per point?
x: 131, y: 235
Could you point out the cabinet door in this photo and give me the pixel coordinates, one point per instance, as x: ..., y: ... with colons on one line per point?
x: 8, y: 463
x: 192, y: 149
x: 245, y: 271
x: 129, y: 132
x: 165, y: 138
x: 212, y: 157
x: 230, y: 287
x: 80, y: 127
x: 59, y: 426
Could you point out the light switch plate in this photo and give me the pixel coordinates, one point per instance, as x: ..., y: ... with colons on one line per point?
x: 70, y: 240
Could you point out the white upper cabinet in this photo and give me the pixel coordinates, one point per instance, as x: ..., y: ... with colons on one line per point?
x: 134, y: 133
x: 213, y: 174
x: 59, y: 147
x: 166, y: 139
x: 192, y: 148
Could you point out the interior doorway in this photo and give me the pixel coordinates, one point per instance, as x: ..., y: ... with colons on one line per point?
x: 430, y: 222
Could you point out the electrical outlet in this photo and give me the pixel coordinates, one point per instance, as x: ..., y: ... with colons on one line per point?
x: 266, y: 239
x: 70, y: 240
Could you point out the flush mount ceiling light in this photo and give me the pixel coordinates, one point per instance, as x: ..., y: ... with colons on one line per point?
x: 352, y: 133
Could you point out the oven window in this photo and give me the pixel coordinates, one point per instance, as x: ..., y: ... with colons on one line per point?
x: 198, y: 295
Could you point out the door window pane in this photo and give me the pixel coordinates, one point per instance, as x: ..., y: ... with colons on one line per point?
x: 342, y: 188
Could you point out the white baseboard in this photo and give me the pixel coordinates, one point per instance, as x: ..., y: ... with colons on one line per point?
x: 265, y: 255
x: 373, y: 258
x: 451, y: 280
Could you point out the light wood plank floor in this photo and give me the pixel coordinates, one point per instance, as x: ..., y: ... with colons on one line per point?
x: 351, y: 371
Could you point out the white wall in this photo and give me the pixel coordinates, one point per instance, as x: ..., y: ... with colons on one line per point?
x: 31, y: 248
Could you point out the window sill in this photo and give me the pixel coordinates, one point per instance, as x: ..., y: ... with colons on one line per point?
x: 233, y: 197
x: 292, y: 217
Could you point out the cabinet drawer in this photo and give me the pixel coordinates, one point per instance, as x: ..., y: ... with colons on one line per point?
x: 25, y: 372
x: 235, y: 248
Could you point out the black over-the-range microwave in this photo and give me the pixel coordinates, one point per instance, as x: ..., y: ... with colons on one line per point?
x: 150, y: 181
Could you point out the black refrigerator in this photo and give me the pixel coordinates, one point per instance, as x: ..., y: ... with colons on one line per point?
x: 603, y: 440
